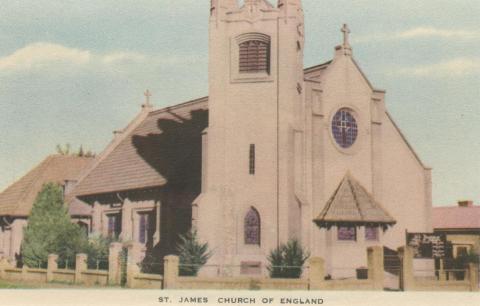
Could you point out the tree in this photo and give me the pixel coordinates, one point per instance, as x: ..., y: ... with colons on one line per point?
x: 287, y: 260
x: 192, y: 254
x: 66, y: 150
x: 63, y: 150
x: 50, y: 231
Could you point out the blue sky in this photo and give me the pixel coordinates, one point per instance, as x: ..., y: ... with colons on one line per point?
x: 74, y: 71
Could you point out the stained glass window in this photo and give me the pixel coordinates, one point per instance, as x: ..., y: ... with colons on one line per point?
x: 344, y: 128
x: 254, y: 56
x: 252, y: 227
x: 371, y: 233
x: 347, y: 233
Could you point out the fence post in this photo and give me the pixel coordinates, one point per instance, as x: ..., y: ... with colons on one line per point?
x: 3, y: 265
x: 133, y: 269
x: 442, y: 274
x: 52, y: 265
x: 114, y: 263
x: 316, y: 273
x: 170, y: 271
x: 80, y: 267
x: 24, y: 272
x: 375, y: 266
x: 407, y: 277
x: 473, y: 276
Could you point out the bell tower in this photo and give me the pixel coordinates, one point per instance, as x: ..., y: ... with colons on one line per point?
x: 255, y: 94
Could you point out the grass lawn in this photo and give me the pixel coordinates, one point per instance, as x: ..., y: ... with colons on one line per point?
x: 8, y: 285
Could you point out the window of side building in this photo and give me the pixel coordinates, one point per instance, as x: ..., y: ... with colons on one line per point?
x: 114, y: 227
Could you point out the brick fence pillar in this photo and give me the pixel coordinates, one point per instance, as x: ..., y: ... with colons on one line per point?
x: 473, y: 276
x: 114, y: 264
x: 170, y: 271
x: 133, y: 258
x: 316, y: 273
x: 24, y: 272
x: 407, y: 277
x: 4, y: 264
x: 52, y: 265
x: 375, y: 266
x: 80, y: 267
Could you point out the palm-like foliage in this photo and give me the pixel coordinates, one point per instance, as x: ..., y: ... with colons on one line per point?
x: 287, y: 260
x: 192, y: 254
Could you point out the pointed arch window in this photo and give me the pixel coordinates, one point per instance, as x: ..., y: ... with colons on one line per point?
x: 252, y: 227
x: 254, y: 53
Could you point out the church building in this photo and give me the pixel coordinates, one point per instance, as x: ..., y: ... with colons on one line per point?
x: 275, y: 152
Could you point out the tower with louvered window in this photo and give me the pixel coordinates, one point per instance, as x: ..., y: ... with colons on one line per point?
x: 255, y: 90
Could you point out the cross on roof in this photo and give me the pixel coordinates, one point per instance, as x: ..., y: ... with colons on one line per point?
x: 147, y: 95
x: 345, y: 31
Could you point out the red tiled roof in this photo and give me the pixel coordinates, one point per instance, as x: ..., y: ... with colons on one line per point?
x: 139, y: 159
x: 125, y: 165
x: 456, y: 217
x: 17, y: 200
x: 79, y: 208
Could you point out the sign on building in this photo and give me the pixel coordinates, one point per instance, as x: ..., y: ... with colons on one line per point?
x: 427, y: 245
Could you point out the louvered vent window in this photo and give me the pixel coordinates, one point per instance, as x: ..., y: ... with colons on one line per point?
x: 254, y: 56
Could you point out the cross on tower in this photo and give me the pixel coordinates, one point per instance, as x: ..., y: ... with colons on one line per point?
x: 147, y: 95
x: 346, y: 31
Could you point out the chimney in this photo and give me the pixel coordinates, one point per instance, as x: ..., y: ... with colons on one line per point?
x: 68, y: 186
x: 465, y: 203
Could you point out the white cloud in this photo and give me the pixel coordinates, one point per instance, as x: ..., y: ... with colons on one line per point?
x: 44, y: 55
x: 451, y: 68
x: 41, y: 54
x: 421, y: 32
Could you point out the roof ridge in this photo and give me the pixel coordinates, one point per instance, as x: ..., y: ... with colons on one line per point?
x: 114, y: 143
x: 349, y: 179
x: 179, y: 105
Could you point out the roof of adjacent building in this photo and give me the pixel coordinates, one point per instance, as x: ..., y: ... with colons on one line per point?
x: 456, y: 217
x: 17, y: 200
x: 142, y: 156
x: 352, y: 204
x: 78, y: 208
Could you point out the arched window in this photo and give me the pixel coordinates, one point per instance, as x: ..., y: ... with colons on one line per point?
x: 252, y: 227
x: 254, y: 53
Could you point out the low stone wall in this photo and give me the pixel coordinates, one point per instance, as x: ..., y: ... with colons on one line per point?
x: 148, y: 281
x: 12, y: 274
x: 95, y: 278
x: 81, y: 275
x: 409, y: 282
x: 282, y: 284
x: 63, y: 276
x: 213, y: 283
x: 349, y: 284
x: 316, y: 279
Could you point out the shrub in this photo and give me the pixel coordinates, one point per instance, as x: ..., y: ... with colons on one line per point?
x: 50, y: 231
x: 461, y: 262
x: 98, y: 250
x: 192, y: 254
x: 287, y: 260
